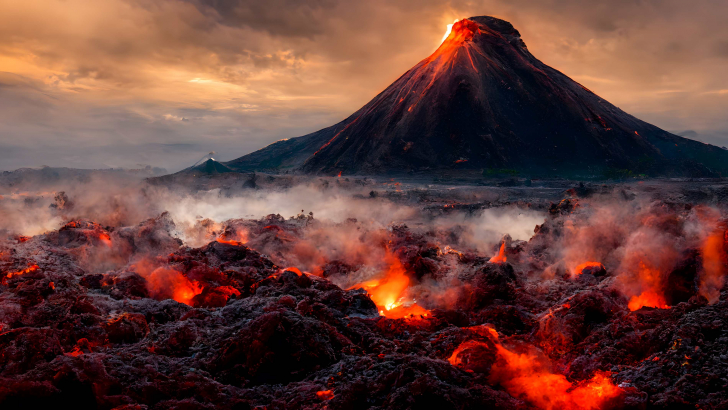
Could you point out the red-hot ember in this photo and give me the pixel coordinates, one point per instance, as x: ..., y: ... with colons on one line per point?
x: 325, y: 395
x: 29, y: 269
x: 523, y: 375
x: 528, y: 376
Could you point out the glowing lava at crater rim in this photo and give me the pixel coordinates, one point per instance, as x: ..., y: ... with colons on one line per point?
x: 460, y: 31
x: 448, y: 31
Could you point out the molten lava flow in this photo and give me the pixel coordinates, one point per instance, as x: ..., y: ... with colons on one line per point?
x: 405, y: 311
x: 448, y: 31
x: 387, y: 293
x: 457, y: 44
x: 166, y: 283
x: 325, y: 395
x: 457, y: 33
x: 171, y: 284
x: 294, y: 270
x: 105, y: 239
x: 456, y: 359
x: 649, y: 299
x: 527, y: 376
x: 29, y: 269
x: 587, y: 265
x: 522, y: 375
x: 501, y: 257
x: 240, y: 239
x: 652, y: 297
x: 712, y: 278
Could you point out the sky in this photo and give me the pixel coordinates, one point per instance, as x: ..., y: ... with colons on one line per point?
x: 124, y: 83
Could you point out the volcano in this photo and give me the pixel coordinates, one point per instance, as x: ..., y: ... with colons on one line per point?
x: 208, y: 167
x: 482, y: 103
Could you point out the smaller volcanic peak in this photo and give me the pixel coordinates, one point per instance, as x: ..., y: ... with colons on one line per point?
x: 209, y: 167
x: 483, y: 102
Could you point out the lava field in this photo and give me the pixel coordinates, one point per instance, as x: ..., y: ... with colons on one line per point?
x: 614, y: 300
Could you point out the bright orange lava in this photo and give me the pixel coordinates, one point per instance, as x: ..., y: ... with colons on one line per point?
x: 387, y: 292
x: 105, y: 239
x: 325, y: 395
x: 166, y: 283
x: 240, y: 239
x: 184, y: 290
x: 528, y: 377
x: 29, y: 269
x: 522, y: 375
x: 501, y: 257
x: 294, y: 270
x: 652, y: 297
x: 580, y: 269
x: 648, y: 299
x: 714, y: 262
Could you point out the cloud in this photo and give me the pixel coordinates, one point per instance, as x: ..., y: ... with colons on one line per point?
x: 246, y: 73
x: 721, y: 48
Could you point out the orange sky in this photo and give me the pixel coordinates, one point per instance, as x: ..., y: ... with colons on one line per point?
x: 126, y: 82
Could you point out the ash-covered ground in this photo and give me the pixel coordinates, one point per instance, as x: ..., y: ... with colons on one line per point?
x: 242, y: 292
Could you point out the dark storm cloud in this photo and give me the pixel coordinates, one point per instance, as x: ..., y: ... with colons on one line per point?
x: 237, y: 75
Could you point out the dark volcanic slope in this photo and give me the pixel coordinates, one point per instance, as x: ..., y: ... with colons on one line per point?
x: 208, y: 167
x: 482, y: 101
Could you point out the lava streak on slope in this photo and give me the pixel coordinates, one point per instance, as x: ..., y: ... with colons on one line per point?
x: 460, y: 32
x: 22, y: 272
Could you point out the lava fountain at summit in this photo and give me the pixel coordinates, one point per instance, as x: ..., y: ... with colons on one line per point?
x: 448, y: 31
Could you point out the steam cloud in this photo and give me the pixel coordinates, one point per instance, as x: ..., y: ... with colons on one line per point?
x: 640, y: 241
